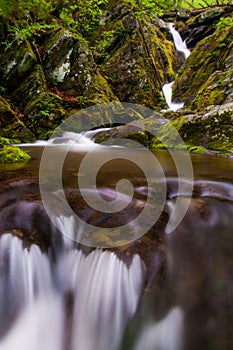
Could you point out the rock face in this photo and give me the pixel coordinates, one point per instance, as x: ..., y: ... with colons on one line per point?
x: 207, y: 77
x: 136, y: 57
x: 128, y: 58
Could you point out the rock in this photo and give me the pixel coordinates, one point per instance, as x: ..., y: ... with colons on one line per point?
x: 195, y: 35
x: 32, y: 86
x: 43, y: 113
x: 17, y: 61
x: 211, y: 129
x: 206, y: 17
x: 12, y: 154
x: 206, y: 78
x: 123, y: 133
x: 11, y: 125
x: 136, y: 56
x: 70, y: 65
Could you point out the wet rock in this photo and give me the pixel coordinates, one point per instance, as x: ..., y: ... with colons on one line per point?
x: 206, y: 78
x: 70, y: 65
x: 210, y: 129
x: 32, y: 86
x: 44, y: 113
x: 140, y: 61
x: 17, y: 62
x: 28, y: 221
x: 11, y: 125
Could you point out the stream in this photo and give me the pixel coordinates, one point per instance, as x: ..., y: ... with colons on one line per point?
x: 64, y: 287
x: 162, y: 291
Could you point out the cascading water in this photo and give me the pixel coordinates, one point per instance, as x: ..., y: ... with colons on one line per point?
x: 104, y: 292
x: 167, y: 88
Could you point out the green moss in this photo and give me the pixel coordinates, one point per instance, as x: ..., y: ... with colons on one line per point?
x: 6, y: 141
x: 199, y: 84
x: 44, y: 113
x: 196, y: 149
x: 12, y: 154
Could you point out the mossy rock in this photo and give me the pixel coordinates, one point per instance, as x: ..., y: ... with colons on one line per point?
x: 206, y: 78
x: 216, y: 91
x: 58, y: 48
x: 10, y: 124
x: 121, y: 134
x: 12, y: 154
x: 69, y: 65
x: 43, y: 114
x: 17, y: 61
x: 31, y: 87
x: 140, y: 62
x: 211, y: 129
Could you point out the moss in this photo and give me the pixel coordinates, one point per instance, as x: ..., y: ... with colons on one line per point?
x: 196, y: 149
x: 6, y: 141
x: 11, y: 125
x: 12, y: 154
x: 211, y: 55
x: 168, y: 135
x: 16, y: 63
x: 100, y: 91
x: 31, y: 87
x: 44, y: 113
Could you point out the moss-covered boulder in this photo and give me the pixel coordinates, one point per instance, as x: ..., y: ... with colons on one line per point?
x: 17, y: 61
x: 211, y: 129
x: 32, y: 86
x: 12, y: 154
x: 206, y: 78
x: 69, y: 64
x: 43, y: 113
x: 10, y: 124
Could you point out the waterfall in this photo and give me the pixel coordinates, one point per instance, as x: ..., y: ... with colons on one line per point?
x: 167, y: 92
x: 34, y: 288
x: 166, y: 334
x: 83, y: 140
x: 180, y: 45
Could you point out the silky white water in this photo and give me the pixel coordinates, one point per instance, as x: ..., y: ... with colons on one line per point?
x: 181, y: 46
x: 105, y: 294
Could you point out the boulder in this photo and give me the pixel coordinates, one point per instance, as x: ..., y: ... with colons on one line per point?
x: 17, y: 61
x: 10, y: 124
x: 211, y: 129
x: 69, y: 64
